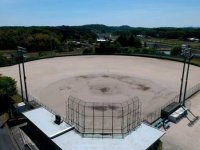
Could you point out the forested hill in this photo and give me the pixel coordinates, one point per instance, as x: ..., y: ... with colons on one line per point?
x: 96, y: 28
x: 45, y: 36
x: 163, y: 32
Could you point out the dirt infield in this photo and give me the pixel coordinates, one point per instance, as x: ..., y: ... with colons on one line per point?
x: 103, y: 79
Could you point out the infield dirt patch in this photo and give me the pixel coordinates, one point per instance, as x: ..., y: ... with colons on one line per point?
x: 103, y: 79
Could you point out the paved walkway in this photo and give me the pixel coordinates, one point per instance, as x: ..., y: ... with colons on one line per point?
x: 6, y: 142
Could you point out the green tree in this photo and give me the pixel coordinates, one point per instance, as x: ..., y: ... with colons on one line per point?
x: 4, y: 61
x: 122, y: 39
x: 176, y: 51
x: 7, y: 89
x: 129, y: 41
x: 7, y: 86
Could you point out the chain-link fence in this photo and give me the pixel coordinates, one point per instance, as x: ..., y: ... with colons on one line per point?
x: 153, y: 116
x: 92, y: 118
x: 109, y: 118
x: 32, y: 99
x: 192, y: 91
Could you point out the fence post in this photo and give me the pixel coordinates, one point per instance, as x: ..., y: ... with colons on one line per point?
x: 103, y: 120
x: 112, y: 119
x: 84, y: 120
x: 122, y: 124
x: 93, y: 117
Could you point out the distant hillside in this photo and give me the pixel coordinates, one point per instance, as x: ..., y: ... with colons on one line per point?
x: 47, y: 37
x: 96, y: 28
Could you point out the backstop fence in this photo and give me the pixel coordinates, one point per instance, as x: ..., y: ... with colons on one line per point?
x: 103, y: 119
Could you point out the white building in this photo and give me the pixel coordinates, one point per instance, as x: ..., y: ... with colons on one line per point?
x: 65, y: 137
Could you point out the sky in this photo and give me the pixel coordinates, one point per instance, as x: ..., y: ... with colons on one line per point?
x: 135, y: 13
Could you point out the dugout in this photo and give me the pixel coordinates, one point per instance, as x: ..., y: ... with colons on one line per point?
x: 169, y: 109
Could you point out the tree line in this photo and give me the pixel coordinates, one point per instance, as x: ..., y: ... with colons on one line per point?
x: 50, y: 38
x: 41, y: 38
x: 162, y: 32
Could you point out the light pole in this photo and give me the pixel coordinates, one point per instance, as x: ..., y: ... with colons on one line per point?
x: 187, y: 54
x: 20, y: 53
x: 182, y: 78
x: 20, y: 76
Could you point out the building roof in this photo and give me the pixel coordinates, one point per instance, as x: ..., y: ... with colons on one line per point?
x: 65, y: 136
x: 140, y: 139
x: 44, y: 120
